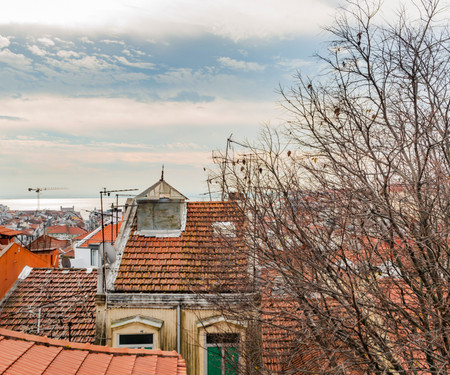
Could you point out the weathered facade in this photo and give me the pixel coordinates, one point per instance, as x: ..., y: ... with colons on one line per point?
x: 174, y: 259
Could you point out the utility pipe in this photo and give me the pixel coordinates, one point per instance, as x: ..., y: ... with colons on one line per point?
x: 178, y: 328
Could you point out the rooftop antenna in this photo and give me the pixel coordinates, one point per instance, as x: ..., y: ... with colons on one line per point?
x: 224, y: 166
x: 162, y: 173
x: 105, y: 192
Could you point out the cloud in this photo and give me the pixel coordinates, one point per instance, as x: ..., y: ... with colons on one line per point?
x: 237, y: 20
x: 35, y: 50
x: 240, y: 65
x: 37, y: 153
x: 140, y: 65
x: 191, y: 96
x: 109, y: 41
x: 67, y: 42
x: 77, y: 116
x: 292, y: 64
x: 16, y: 60
x: 4, y: 42
x: 139, y: 52
x: 11, y: 118
x: 46, y: 41
x: 86, y: 40
x: 67, y: 54
x: 90, y: 63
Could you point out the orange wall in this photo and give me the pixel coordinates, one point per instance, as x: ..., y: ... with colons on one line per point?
x: 15, y: 258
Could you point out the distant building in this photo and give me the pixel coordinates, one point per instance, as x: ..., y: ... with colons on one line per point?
x: 86, y: 247
x: 64, y: 232
x: 46, y: 244
x: 7, y: 236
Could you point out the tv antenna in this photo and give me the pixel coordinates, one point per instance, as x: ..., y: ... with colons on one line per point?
x: 107, y: 252
x: 38, y: 192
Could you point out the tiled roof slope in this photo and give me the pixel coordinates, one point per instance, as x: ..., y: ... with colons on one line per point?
x: 57, y: 303
x: 197, y: 261
x: 94, y: 237
x: 277, y: 337
x: 57, y: 229
x: 45, y: 243
x: 26, y: 354
x: 9, y: 232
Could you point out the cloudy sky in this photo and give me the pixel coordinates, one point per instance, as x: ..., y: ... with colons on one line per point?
x: 102, y: 93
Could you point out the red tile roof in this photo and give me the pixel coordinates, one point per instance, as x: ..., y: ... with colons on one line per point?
x: 110, y: 234
x: 27, y: 354
x: 45, y: 243
x: 56, y: 229
x: 197, y: 261
x: 9, y: 232
x: 277, y: 326
x: 50, y: 301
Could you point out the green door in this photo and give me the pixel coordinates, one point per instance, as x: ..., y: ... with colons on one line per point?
x: 214, y: 360
x: 231, y: 360
x: 222, y: 360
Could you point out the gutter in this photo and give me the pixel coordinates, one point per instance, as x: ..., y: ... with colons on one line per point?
x: 178, y: 328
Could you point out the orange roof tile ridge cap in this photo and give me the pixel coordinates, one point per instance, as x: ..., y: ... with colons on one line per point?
x: 69, y: 345
x: 25, y: 336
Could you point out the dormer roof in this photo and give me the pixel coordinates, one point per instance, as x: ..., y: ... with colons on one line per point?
x: 160, y: 190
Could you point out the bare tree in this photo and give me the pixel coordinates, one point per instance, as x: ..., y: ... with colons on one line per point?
x: 348, y: 205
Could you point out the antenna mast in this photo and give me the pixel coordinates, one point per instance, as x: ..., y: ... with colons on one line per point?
x: 38, y: 192
x: 105, y: 192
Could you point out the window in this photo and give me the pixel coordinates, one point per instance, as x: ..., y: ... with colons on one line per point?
x: 94, y: 257
x: 222, y: 353
x: 139, y: 340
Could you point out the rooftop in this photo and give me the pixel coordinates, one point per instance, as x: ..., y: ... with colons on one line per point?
x: 199, y: 260
x: 96, y: 236
x: 4, y: 231
x: 46, y: 243
x: 56, y: 229
x: 27, y: 354
x: 58, y: 303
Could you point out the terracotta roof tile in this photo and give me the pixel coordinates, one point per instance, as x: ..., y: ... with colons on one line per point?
x: 110, y: 234
x: 45, y: 243
x: 56, y: 300
x: 9, y: 232
x: 27, y: 354
x: 56, y: 229
x: 197, y: 261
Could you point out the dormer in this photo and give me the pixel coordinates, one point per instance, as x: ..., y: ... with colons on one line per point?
x: 161, y: 211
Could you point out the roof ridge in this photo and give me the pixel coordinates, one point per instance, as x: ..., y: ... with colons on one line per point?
x: 65, y: 344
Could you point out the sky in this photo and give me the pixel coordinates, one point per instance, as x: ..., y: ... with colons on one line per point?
x: 101, y: 93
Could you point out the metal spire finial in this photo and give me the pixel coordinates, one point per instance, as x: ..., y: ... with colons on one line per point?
x: 162, y: 173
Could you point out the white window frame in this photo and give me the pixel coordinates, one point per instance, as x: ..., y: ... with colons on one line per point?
x: 136, y: 346
x: 94, y: 257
